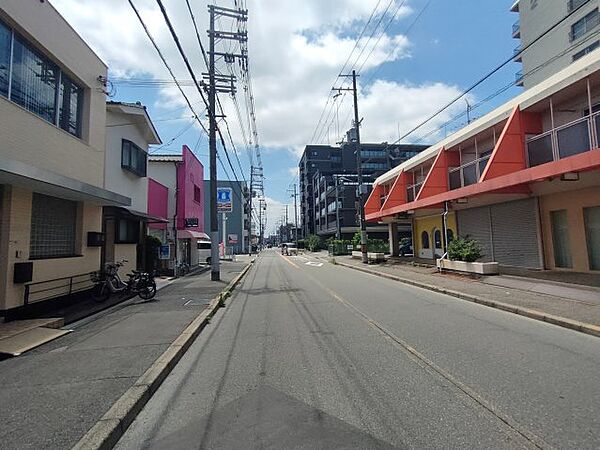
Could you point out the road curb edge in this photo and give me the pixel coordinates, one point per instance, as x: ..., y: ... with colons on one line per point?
x: 575, y: 325
x: 112, y: 425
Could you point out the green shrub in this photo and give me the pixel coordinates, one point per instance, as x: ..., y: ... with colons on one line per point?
x: 464, y: 249
x: 313, y: 242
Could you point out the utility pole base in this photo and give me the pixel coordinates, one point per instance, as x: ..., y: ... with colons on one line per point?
x: 215, y: 276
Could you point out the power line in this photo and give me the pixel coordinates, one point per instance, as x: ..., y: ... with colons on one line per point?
x: 489, y: 74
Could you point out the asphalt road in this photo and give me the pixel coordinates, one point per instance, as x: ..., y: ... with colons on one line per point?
x: 312, y: 355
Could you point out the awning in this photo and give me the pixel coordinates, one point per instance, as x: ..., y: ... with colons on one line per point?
x: 46, y: 182
x: 189, y: 234
x: 131, y: 213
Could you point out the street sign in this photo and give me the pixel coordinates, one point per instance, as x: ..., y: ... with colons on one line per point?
x: 164, y: 252
x: 232, y: 238
x: 191, y: 222
x: 224, y: 200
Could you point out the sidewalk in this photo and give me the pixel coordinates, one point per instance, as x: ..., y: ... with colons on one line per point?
x: 54, y: 394
x: 543, y: 299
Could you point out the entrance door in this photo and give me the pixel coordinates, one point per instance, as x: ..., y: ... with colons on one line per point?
x: 438, y: 249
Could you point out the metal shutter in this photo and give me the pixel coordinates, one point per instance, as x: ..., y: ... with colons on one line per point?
x: 475, y: 223
x: 515, y: 233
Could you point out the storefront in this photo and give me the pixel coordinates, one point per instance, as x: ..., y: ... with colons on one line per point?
x: 428, y: 235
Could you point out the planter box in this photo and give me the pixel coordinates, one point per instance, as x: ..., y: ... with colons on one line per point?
x: 489, y: 268
x: 371, y: 256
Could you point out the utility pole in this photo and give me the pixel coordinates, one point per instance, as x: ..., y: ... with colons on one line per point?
x: 361, y: 191
x: 287, y: 228
x: 295, y: 195
x: 251, y: 193
x: 218, y: 83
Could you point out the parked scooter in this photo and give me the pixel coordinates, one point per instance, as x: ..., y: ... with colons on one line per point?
x: 109, y: 282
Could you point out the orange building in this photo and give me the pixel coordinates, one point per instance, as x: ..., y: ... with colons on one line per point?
x: 524, y: 180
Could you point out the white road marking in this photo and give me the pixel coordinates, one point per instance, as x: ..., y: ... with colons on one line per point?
x: 314, y: 264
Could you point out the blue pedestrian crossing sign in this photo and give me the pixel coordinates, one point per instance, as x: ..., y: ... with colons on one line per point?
x: 224, y: 200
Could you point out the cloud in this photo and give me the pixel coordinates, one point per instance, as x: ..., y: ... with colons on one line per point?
x: 296, y: 50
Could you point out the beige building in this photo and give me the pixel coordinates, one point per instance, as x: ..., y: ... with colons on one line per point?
x: 129, y: 133
x: 52, y: 156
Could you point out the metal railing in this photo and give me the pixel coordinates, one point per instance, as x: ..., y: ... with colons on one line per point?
x: 570, y: 139
x: 412, y: 191
x: 57, y: 287
x: 516, y: 28
x: 468, y: 173
x: 519, y: 78
x: 517, y: 53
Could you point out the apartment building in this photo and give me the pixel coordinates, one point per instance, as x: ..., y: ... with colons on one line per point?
x: 52, y: 156
x: 523, y: 180
x: 328, y: 182
x: 568, y: 41
x: 129, y: 134
x: 176, y: 187
x: 236, y: 230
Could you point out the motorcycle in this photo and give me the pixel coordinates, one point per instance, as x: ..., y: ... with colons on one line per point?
x: 109, y: 282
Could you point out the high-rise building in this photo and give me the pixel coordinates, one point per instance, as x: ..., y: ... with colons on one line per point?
x: 573, y: 38
x: 328, y: 181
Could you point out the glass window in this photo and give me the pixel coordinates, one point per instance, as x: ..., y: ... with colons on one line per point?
x: 69, y: 109
x: 128, y: 231
x: 591, y: 217
x: 449, y: 235
x: 133, y: 158
x: 560, y: 238
x: 585, y: 51
x: 53, y: 227
x: 585, y: 24
x: 5, y: 42
x: 34, y: 81
x: 437, y: 238
x: 425, y: 239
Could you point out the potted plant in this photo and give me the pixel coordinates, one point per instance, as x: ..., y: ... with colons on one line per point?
x: 463, y: 253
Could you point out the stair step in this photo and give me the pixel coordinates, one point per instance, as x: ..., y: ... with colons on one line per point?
x: 27, y: 340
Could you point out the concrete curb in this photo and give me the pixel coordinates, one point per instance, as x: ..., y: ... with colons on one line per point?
x: 113, y: 424
x: 582, y: 327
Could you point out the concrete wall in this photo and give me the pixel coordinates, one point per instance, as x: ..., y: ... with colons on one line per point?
x: 16, y: 240
x: 158, y: 203
x: 28, y: 138
x: 164, y: 173
x: 118, y: 179
x: 536, y: 21
x: 573, y: 202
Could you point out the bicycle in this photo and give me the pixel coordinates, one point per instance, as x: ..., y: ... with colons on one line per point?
x: 109, y: 282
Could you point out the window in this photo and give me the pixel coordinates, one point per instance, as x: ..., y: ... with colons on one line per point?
x: 203, y: 245
x: 374, y: 165
x: 133, y: 158
x: 591, y: 217
x: 197, y: 194
x: 585, y: 51
x: 69, y: 106
x: 373, y: 154
x: 53, y: 227
x: 560, y: 238
x: 437, y: 238
x: 449, y: 235
x: 5, y: 44
x: 424, y: 239
x: 33, y: 81
x: 128, y: 231
x: 584, y: 25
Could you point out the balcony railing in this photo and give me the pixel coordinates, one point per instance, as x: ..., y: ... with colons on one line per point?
x: 519, y: 78
x: 567, y: 140
x: 468, y: 173
x: 412, y: 191
x: 517, y: 53
x: 516, y: 29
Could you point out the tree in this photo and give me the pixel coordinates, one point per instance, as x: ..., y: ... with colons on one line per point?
x: 313, y: 242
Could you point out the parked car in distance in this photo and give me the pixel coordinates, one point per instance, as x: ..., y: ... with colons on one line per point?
x: 204, y: 252
x: 406, y: 249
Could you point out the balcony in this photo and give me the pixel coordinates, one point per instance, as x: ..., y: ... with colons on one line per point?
x: 516, y: 30
x: 413, y: 191
x: 517, y: 53
x: 468, y: 173
x: 519, y: 78
x: 567, y: 140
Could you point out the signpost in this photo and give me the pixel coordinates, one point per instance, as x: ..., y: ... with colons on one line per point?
x: 224, y: 206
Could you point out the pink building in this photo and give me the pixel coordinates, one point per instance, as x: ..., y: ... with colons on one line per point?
x: 176, y: 193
